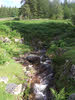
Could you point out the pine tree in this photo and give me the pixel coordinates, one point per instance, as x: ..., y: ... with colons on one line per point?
x: 33, y: 8
x: 67, y: 13
x: 57, y: 11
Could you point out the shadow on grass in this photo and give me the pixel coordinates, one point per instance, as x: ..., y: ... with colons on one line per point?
x: 42, y: 31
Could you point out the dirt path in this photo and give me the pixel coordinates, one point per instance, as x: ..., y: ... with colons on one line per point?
x: 3, y: 19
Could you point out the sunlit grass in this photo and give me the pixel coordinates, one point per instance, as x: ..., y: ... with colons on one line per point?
x: 10, y: 70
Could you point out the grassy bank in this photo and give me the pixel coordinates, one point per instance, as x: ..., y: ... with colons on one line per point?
x: 56, y: 35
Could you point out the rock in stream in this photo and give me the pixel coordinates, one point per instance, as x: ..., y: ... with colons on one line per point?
x: 43, y: 79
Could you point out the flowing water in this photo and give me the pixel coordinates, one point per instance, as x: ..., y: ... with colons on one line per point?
x: 44, y: 72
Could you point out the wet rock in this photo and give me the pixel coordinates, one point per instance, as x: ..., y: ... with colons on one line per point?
x: 34, y: 59
x: 72, y: 97
x: 42, y: 52
x: 45, y: 68
x: 42, y: 58
x: 4, y: 79
x: 39, y: 90
x: 43, y: 77
x: 13, y: 88
x: 47, y: 79
x: 48, y: 61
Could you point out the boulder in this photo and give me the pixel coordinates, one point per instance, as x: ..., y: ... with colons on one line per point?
x: 72, y: 97
x: 7, y: 40
x: 19, y: 40
x: 34, y: 59
x: 4, y: 79
x: 13, y: 88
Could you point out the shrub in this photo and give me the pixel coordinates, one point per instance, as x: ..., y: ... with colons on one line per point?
x: 73, y: 19
x: 57, y: 48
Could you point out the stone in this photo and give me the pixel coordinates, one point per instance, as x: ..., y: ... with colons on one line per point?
x: 42, y: 52
x: 4, y: 79
x: 42, y: 58
x: 39, y: 87
x: 13, y: 88
x: 39, y: 90
x: 72, y: 97
x: 34, y: 59
x: 19, y: 40
x: 7, y: 40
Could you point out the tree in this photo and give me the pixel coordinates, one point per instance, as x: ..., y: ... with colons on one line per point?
x: 33, y: 8
x: 8, y: 12
x: 57, y: 11
x: 25, y: 11
x: 38, y: 8
x: 67, y: 13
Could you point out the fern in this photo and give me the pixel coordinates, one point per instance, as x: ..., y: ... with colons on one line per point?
x: 58, y: 96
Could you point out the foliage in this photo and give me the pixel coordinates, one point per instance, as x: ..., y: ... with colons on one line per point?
x: 32, y: 9
x: 4, y: 28
x: 44, y: 30
x: 4, y: 57
x: 56, y: 35
x: 27, y: 92
x: 73, y: 19
x: 8, y: 12
x: 58, y: 96
x: 10, y: 70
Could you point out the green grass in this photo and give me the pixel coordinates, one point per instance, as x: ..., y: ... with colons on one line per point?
x: 33, y: 31
x: 70, y: 54
x: 10, y: 70
x: 8, y: 67
x: 44, y: 30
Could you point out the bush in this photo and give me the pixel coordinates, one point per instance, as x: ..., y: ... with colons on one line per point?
x: 73, y: 19
x: 4, y: 57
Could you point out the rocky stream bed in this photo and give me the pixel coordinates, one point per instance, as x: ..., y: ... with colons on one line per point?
x: 38, y: 68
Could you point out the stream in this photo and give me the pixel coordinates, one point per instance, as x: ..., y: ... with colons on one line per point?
x: 42, y: 80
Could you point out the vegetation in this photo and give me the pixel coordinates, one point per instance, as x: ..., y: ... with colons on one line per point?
x: 9, y: 68
x: 8, y: 12
x: 35, y: 9
x: 57, y: 36
x: 58, y: 96
x: 73, y: 19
